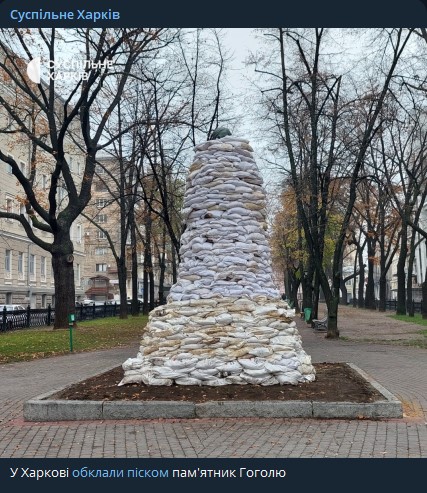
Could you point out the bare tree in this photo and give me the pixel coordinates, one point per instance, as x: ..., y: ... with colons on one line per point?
x: 51, y: 114
x: 403, y: 148
x: 304, y: 86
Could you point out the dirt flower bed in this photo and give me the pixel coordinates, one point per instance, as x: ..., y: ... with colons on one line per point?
x: 335, y: 382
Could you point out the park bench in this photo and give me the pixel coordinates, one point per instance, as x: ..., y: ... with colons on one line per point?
x: 321, y: 323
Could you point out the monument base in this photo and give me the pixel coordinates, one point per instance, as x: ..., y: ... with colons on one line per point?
x: 220, y: 342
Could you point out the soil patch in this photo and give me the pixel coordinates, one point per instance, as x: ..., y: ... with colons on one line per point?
x: 335, y: 382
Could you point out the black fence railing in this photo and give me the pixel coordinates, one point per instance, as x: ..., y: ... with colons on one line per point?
x: 40, y: 317
x: 416, y: 306
x: 22, y: 319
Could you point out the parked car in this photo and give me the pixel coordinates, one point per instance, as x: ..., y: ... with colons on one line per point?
x: 12, y: 307
x: 12, y: 318
x: 17, y: 317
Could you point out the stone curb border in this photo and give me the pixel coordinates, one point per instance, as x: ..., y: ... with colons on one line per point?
x: 42, y: 408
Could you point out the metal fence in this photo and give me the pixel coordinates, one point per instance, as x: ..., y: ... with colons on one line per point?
x: 417, y: 306
x: 40, y: 317
x: 20, y: 319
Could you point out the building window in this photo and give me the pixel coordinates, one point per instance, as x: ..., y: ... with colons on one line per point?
x: 101, y: 218
x: 44, y: 182
x: 100, y: 251
x: 100, y: 203
x: 20, y: 266
x: 32, y: 267
x: 44, y: 301
x: 43, y: 268
x: 9, y: 166
x: 101, y: 267
x: 9, y: 207
x: 8, y: 264
x: 77, y: 274
x: 100, y: 170
x: 8, y: 298
x: 78, y: 235
x: 70, y: 163
x: 23, y: 167
x: 101, y: 235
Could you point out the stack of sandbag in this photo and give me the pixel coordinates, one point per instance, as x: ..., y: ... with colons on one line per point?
x: 224, y: 322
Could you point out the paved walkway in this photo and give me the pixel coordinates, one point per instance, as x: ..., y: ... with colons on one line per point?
x: 402, y: 370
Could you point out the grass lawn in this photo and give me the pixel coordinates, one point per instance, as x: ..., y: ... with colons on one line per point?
x: 417, y: 319
x: 102, y: 333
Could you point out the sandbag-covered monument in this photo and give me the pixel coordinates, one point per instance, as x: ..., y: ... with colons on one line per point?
x: 224, y: 322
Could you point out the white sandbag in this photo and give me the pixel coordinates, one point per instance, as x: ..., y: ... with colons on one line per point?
x: 235, y: 380
x: 261, y: 352
x: 132, y: 364
x: 215, y: 382
x: 150, y: 380
x: 252, y: 364
x: 207, y: 321
x: 285, y: 340
x: 291, y: 378
x: 253, y: 380
x: 208, y: 364
x: 188, y: 381
x: 157, y: 324
x: 204, y: 374
x: 256, y: 373
x: 224, y: 319
x: 193, y: 340
x: 225, y: 259
x: 127, y: 379
x: 177, y: 364
x: 230, y: 367
x: 165, y: 372
x: 305, y: 369
x: 270, y: 381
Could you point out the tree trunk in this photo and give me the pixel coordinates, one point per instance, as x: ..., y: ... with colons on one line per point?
x: 343, y: 289
x: 122, y: 276
x: 316, y: 295
x: 134, y: 263
x: 383, y: 293
x: 287, y: 283
x: 145, y: 285
x: 147, y: 261
x: 409, y: 294
x: 174, y: 265
x: 152, y: 287
x: 307, y: 291
x: 162, y: 266
x: 360, y: 294
x: 401, y: 288
x: 424, y: 292
x: 293, y: 293
x: 370, y: 286
x: 333, y: 332
x: 63, y: 273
